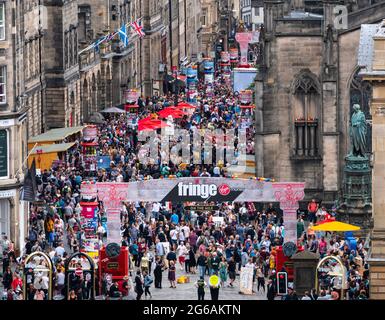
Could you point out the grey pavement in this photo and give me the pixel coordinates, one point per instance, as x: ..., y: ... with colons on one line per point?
x: 187, y: 291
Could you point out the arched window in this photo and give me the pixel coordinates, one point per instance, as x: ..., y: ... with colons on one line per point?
x: 306, y: 96
x: 361, y: 93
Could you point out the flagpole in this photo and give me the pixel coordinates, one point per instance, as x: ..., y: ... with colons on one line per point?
x: 17, y: 172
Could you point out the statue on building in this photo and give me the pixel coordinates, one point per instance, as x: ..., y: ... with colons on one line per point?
x: 358, y: 129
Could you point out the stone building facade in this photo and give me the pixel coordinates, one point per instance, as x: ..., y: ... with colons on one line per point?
x: 13, y: 123
x: 305, y: 90
x: 210, y: 26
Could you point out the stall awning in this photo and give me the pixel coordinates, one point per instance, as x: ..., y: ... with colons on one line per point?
x: 52, y: 148
x: 56, y: 134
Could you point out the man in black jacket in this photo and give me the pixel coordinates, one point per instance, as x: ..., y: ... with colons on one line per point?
x: 270, y: 290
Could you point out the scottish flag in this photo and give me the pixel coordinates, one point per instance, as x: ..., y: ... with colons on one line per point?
x: 123, y: 35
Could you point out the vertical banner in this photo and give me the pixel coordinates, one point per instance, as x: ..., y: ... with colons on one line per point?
x: 288, y: 194
x: 112, y: 194
x: 246, y: 280
x: 244, y: 38
x: 113, y: 223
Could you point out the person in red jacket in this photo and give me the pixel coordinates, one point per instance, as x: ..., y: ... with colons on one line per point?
x: 17, y: 283
x: 312, y: 208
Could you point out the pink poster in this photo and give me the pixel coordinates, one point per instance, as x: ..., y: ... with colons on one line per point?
x: 244, y: 38
x: 132, y: 96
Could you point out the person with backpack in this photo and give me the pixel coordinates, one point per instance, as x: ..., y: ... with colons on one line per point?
x: 147, y: 283
x: 201, y: 285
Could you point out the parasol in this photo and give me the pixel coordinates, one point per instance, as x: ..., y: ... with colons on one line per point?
x: 113, y: 110
x: 175, y: 113
x: 185, y: 105
x: 335, y: 226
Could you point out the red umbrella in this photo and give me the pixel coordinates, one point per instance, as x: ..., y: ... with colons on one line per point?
x: 175, y: 113
x: 327, y: 220
x: 151, y: 125
x: 185, y: 105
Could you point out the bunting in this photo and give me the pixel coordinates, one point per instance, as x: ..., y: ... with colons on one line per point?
x: 123, y: 33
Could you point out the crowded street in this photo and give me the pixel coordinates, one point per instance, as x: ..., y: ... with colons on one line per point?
x: 191, y: 150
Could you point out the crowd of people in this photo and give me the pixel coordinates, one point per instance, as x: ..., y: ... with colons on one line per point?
x: 247, y: 237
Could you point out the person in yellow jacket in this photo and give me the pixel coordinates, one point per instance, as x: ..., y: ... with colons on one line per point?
x: 49, y: 230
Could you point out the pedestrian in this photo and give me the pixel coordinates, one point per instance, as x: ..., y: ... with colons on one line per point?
x: 260, y: 279
x: 138, y: 285
x: 158, y: 272
x: 231, y: 268
x: 201, y: 285
x: 147, y: 283
x: 181, y: 252
x: 7, y: 278
x: 192, y: 260
x: 223, y: 271
x: 214, y: 291
x: 201, y: 262
x: 171, y: 274
x: 270, y: 290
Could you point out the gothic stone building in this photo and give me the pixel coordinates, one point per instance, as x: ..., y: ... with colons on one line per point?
x: 305, y: 92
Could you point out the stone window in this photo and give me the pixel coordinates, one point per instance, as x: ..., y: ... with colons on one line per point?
x: 2, y: 21
x: 66, y: 45
x: 3, y: 84
x: 31, y: 59
x: 306, y: 91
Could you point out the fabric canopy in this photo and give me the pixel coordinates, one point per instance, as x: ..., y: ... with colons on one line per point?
x: 175, y: 113
x: 185, y: 105
x: 148, y: 125
x: 113, y: 110
x: 335, y: 226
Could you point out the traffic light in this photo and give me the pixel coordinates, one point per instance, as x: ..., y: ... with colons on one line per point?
x: 282, y: 283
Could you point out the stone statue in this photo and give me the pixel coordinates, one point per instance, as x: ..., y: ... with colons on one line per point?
x: 358, y: 129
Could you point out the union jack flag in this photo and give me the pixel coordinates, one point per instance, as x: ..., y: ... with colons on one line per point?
x: 138, y: 28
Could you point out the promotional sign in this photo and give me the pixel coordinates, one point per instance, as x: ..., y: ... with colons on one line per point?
x: 209, y: 78
x: 90, y: 133
x: 243, y: 78
x: 233, y: 54
x: 245, y: 97
x: 192, y: 76
x: 131, y: 96
x: 225, y: 57
x: 218, y: 221
x: 208, y: 66
x: 203, y: 189
x: 92, y: 247
x: 113, y: 223
x: 244, y: 38
x: 246, y: 280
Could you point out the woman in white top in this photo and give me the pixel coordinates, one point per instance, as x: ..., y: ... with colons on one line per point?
x: 181, y: 251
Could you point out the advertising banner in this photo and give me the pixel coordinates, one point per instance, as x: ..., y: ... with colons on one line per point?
x: 225, y: 57
x: 192, y: 76
x: 90, y: 133
x: 113, y: 226
x: 233, y: 54
x: 188, y: 189
x: 246, y: 280
x: 244, y: 38
x: 131, y: 96
x: 209, y: 66
x: 245, y: 97
x: 218, y: 221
